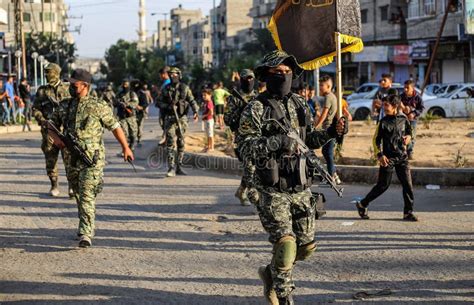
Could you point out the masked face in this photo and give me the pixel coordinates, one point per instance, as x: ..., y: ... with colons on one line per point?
x: 126, y: 87
x: 247, y: 84
x: 52, y: 77
x: 76, y: 89
x: 279, y: 84
x: 174, y: 78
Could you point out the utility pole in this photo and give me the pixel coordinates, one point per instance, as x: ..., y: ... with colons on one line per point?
x: 20, y: 34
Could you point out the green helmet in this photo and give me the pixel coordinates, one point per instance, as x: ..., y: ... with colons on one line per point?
x: 53, y: 67
x: 274, y: 59
x: 175, y: 70
x: 246, y: 73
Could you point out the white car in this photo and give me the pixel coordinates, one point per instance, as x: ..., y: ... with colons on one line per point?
x: 365, y: 89
x: 458, y: 103
x: 446, y: 89
x: 360, y: 108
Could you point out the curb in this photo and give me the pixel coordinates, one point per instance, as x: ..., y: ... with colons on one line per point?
x: 463, y: 177
x: 17, y: 129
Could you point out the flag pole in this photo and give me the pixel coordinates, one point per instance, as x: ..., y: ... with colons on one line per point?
x: 338, y: 75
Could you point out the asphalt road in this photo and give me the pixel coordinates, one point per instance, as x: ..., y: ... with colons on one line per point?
x: 187, y: 241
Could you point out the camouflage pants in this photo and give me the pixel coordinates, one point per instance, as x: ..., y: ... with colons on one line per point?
x: 175, y: 140
x: 140, y: 122
x: 281, y: 215
x: 247, y: 182
x: 87, y: 184
x: 51, y: 154
x: 130, y: 129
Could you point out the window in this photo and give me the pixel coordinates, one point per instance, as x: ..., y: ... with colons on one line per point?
x: 384, y: 13
x: 429, y: 7
x: 363, y: 16
x: 26, y: 17
x: 414, y: 9
x: 48, y: 16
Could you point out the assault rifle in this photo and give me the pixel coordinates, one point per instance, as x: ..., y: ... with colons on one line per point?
x: 311, y: 157
x: 71, y: 143
x: 175, y: 112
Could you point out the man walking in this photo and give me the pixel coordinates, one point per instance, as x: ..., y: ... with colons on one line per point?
x: 126, y: 103
x: 412, y: 106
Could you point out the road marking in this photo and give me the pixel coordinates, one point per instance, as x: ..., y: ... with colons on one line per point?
x: 347, y: 223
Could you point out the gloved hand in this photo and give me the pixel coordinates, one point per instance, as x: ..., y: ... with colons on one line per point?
x: 282, y: 143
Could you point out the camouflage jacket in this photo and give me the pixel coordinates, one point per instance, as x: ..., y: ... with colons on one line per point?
x: 109, y: 97
x: 48, y: 99
x: 254, y: 140
x: 126, y: 104
x: 86, y: 118
x: 235, y: 106
x: 179, y: 95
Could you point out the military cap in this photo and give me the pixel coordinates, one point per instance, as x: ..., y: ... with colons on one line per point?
x: 80, y: 75
x: 246, y: 73
x: 174, y: 70
x: 54, y: 67
x: 274, y: 59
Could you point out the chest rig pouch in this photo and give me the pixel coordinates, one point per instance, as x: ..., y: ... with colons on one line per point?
x: 179, y: 98
x: 284, y: 172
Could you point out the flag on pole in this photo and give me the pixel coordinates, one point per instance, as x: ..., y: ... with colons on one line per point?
x: 305, y: 29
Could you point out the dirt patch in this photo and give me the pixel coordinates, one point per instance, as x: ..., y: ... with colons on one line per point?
x: 439, y: 146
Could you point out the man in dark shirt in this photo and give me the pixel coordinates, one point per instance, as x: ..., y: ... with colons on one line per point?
x: 412, y: 106
x: 377, y: 107
x: 392, y: 136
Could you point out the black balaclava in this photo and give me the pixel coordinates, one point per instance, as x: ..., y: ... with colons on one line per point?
x: 247, y: 85
x: 175, y: 79
x: 279, y: 84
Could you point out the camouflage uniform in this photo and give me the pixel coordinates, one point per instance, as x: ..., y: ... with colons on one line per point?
x: 48, y: 98
x: 109, y: 96
x: 86, y: 118
x: 235, y: 106
x: 285, y: 207
x: 144, y: 100
x: 180, y: 96
x: 126, y: 104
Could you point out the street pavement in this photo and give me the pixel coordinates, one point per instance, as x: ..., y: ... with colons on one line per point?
x: 186, y: 240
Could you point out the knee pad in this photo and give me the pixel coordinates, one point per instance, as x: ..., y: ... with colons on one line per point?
x: 305, y: 251
x: 284, y: 253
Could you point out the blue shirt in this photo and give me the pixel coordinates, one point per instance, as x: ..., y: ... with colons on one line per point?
x: 165, y: 83
x: 10, y: 91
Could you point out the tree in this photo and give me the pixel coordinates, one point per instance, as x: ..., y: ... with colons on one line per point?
x: 53, y: 48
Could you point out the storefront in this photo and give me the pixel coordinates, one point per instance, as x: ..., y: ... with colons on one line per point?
x: 373, y: 62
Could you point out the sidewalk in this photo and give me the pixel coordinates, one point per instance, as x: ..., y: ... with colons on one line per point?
x: 17, y: 128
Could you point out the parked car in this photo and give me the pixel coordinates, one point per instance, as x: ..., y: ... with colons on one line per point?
x: 365, y: 89
x: 433, y: 88
x: 458, y: 103
x: 446, y: 89
x: 360, y: 108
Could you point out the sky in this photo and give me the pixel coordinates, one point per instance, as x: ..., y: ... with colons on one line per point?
x: 105, y: 21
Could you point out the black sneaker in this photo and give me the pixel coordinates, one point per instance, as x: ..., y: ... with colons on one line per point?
x: 85, y: 241
x: 410, y: 217
x: 363, y: 211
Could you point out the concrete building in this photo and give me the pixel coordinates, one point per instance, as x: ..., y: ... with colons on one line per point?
x: 399, y: 37
x: 46, y: 16
x: 261, y: 12
x: 196, y: 43
x: 164, y: 34
x: 231, y: 29
x: 182, y: 18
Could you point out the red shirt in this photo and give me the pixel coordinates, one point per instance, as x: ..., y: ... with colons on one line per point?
x: 207, y: 112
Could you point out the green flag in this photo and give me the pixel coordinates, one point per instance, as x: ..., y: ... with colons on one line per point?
x: 306, y: 29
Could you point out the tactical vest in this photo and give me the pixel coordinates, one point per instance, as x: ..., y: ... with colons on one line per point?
x: 284, y: 173
x: 182, y: 104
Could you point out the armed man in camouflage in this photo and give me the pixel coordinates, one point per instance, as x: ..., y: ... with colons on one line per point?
x: 174, y: 102
x: 48, y: 98
x: 109, y: 95
x: 126, y: 103
x: 283, y: 175
x: 235, y: 106
x: 85, y: 117
x: 144, y: 100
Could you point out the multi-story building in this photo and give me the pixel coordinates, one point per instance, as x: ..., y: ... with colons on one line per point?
x: 39, y: 16
x: 231, y: 29
x: 196, y: 43
x: 261, y: 12
x: 399, y: 37
x: 164, y: 34
x: 182, y: 18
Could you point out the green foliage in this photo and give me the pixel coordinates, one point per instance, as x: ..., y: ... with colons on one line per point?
x: 124, y: 60
x: 428, y: 119
x: 52, y: 48
x: 373, y: 158
x: 459, y: 159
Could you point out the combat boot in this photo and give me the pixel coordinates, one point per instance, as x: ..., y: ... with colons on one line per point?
x: 54, y: 191
x: 288, y: 300
x: 85, y: 241
x: 268, y: 291
x: 241, y: 195
x: 171, y: 172
x: 71, y: 193
x: 180, y: 171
